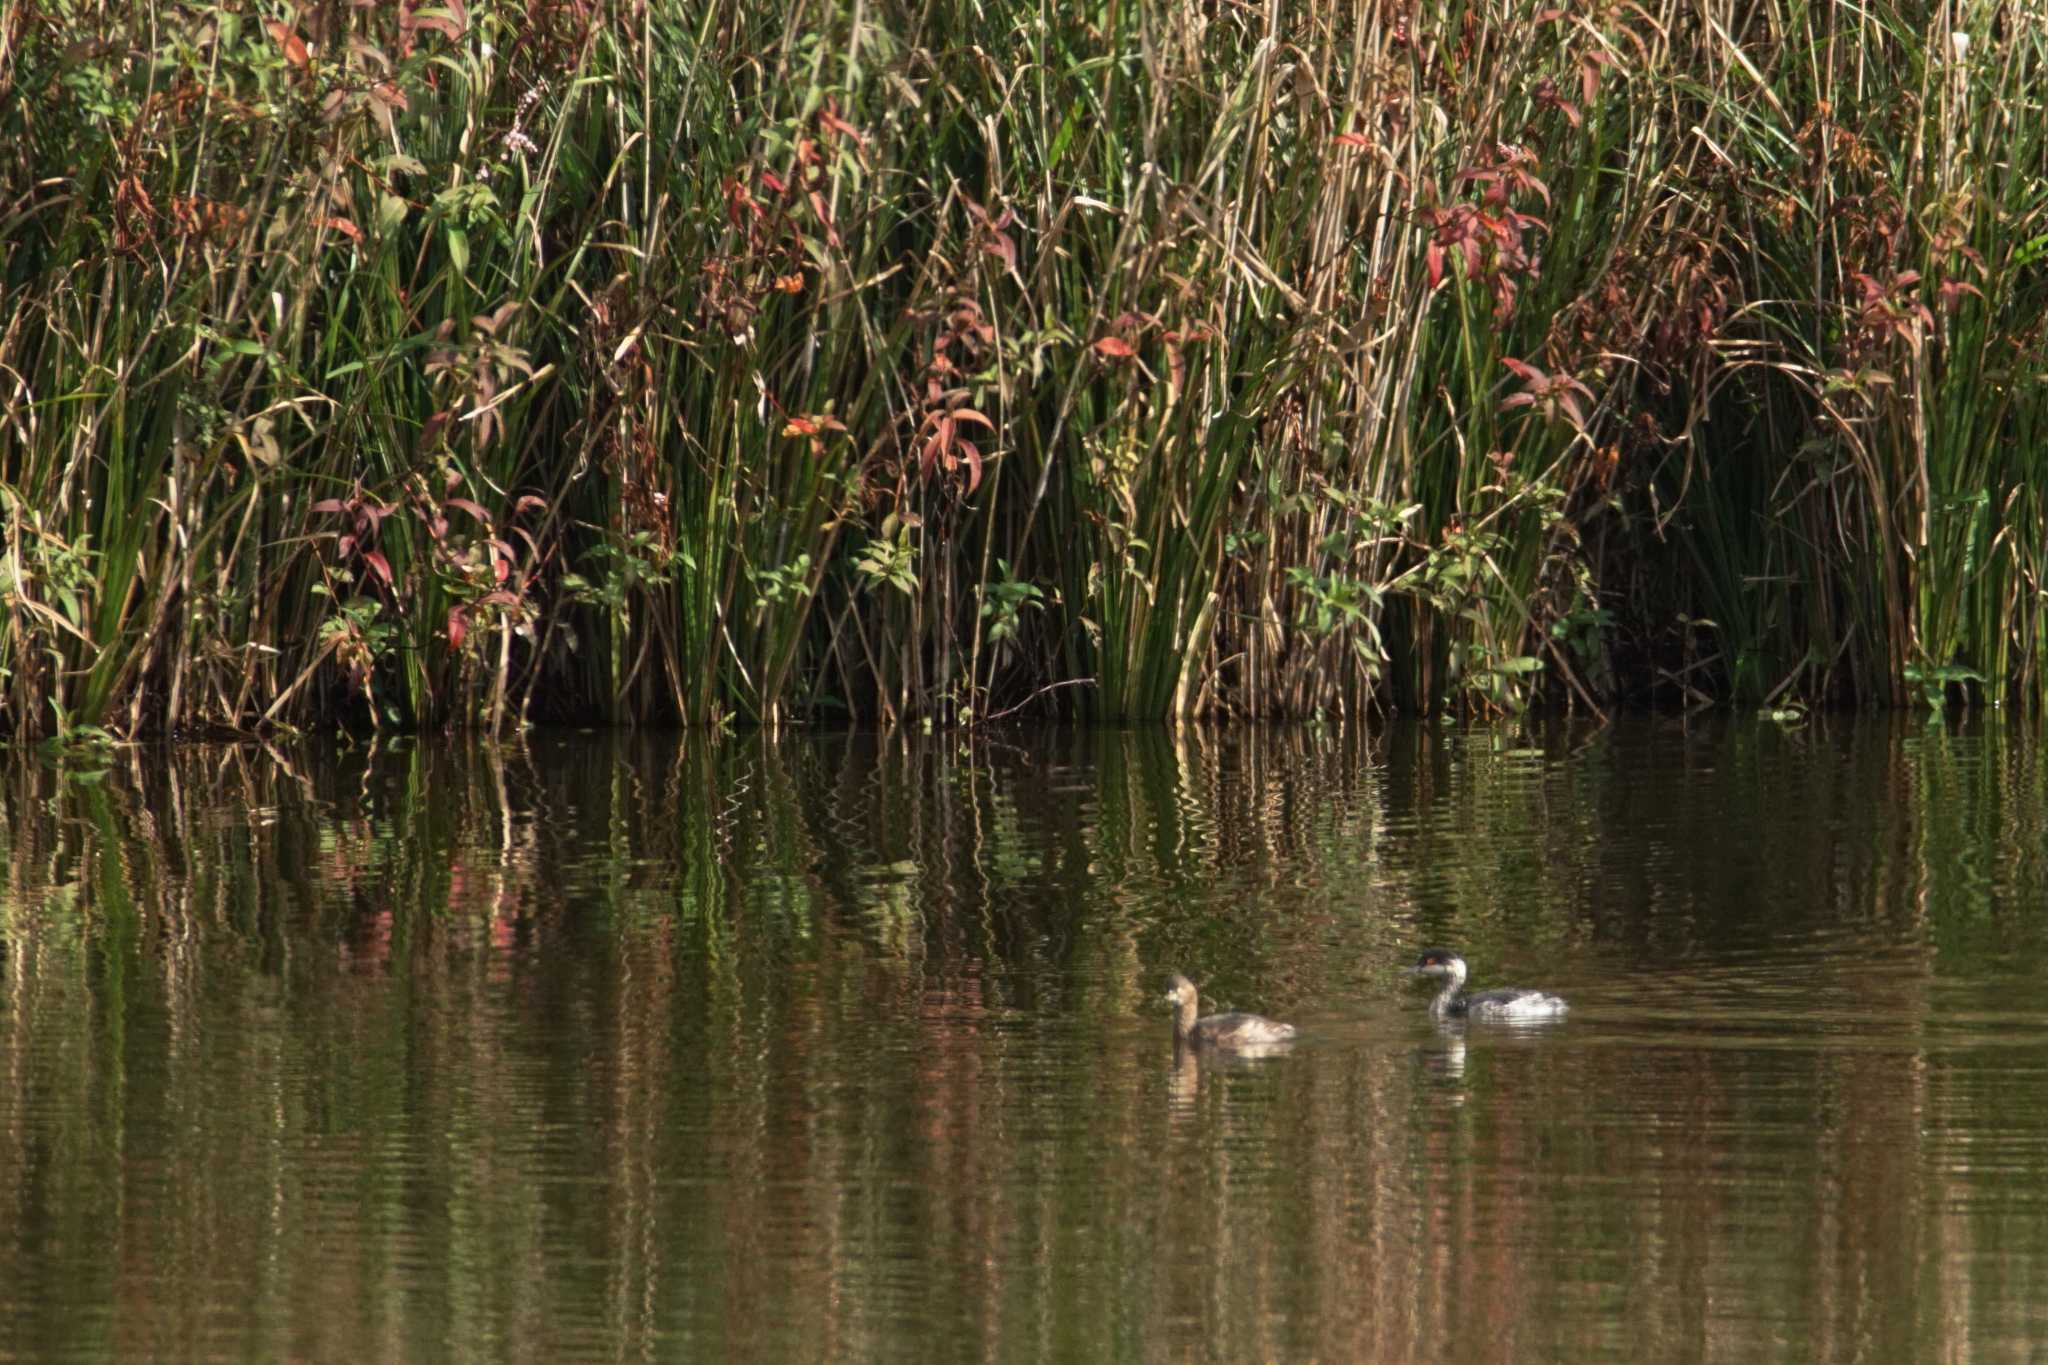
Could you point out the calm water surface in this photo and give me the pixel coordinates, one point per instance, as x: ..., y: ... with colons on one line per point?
x: 842, y: 1047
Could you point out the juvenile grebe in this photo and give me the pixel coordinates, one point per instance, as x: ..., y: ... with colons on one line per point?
x: 1219, y: 1030
x: 1507, y: 1002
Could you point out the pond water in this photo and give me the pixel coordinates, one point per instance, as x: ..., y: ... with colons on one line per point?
x: 852, y: 1047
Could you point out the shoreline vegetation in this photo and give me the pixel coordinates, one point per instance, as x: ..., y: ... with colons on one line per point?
x: 471, y: 365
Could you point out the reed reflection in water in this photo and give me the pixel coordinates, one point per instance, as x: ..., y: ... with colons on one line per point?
x: 845, y: 1047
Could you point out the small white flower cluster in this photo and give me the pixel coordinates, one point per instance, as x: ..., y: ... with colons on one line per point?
x: 516, y: 139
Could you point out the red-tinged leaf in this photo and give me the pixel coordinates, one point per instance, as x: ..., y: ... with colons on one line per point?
x: 329, y: 505
x: 1005, y: 248
x: 441, y: 24
x: 1951, y: 293
x: 800, y: 426
x: 1525, y: 370
x: 1434, y: 260
x: 970, y: 415
x: 465, y: 505
x: 458, y: 626
x: 1571, y: 115
x: 1571, y: 407
x: 839, y: 125
x: 293, y: 46
x: 1906, y: 280
x: 529, y: 502
x: 388, y: 95
x: 928, y: 457
x: 823, y: 214
x: 774, y: 183
x: 498, y: 599
x: 379, y: 565
x: 345, y: 228
x: 973, y: 456
x: 1503, y: 298
x: 431, y: 429
x: 344, y: 546
x: 1114, y: 348
x: 1352, y: 140
x: 1517, y: 400
x: 1475, y: 258
x: 500, y: 567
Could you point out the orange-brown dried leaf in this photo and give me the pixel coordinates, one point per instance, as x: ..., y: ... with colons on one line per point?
x: 293, y: 46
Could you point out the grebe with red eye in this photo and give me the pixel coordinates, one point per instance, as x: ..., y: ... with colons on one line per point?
x: 1507, y: 1002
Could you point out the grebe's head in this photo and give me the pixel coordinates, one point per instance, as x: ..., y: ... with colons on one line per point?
x: 1441, y: 963
x: 1179, y: 990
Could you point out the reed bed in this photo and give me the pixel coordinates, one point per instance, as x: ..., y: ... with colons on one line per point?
x: 479, y: 364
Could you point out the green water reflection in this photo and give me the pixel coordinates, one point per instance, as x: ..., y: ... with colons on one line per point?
x: 843, y: 1047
